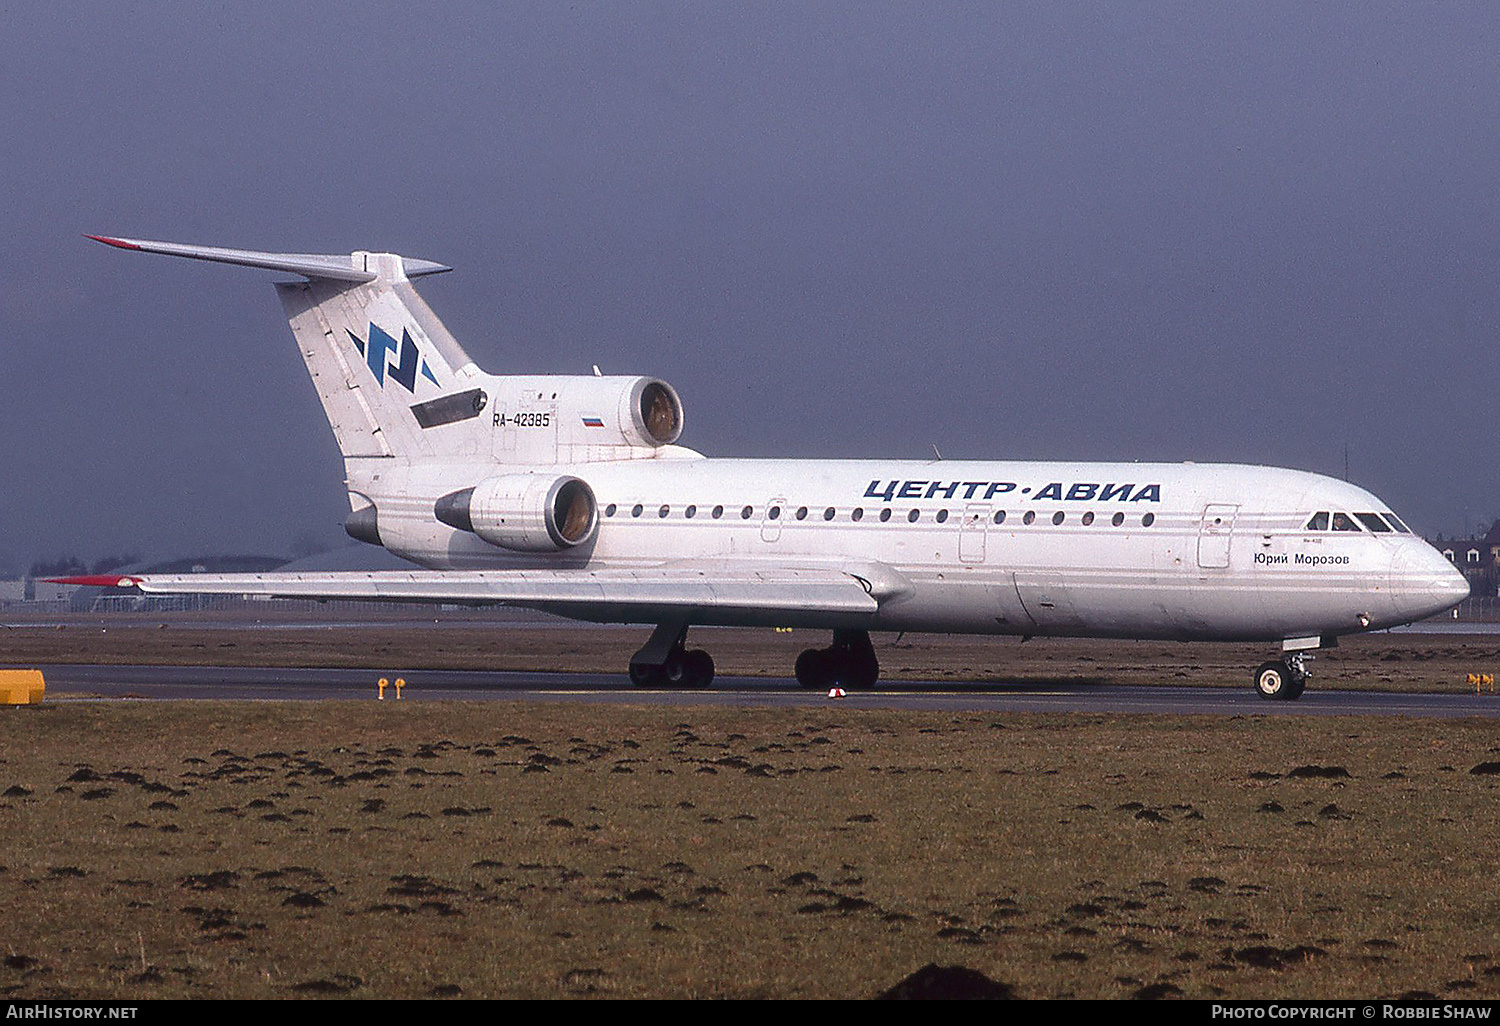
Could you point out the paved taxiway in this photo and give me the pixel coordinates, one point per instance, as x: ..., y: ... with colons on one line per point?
x: 240, y: 683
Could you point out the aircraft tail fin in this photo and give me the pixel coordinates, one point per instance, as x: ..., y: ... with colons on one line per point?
x: 392, y: 379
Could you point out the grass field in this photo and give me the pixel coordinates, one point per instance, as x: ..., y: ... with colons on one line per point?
x: 540, y: 850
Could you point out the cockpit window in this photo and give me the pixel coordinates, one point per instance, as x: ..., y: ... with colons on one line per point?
x: 1397, y: 523
x: 1374, y: 523
x: 1319, y: 522
x: 1342, y: 522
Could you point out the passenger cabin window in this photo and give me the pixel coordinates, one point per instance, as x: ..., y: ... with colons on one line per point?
x: 1374, y: 523
x: 1342, y: 522
x: 1319, y: 522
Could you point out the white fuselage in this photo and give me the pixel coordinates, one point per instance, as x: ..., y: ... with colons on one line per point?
x: 1146, y: 550
x: 577, y: 483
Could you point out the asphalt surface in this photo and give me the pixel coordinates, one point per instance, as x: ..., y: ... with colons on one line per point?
x: 75, y: 682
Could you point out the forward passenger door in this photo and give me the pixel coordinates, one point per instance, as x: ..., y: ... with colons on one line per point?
x: 1215, y: 534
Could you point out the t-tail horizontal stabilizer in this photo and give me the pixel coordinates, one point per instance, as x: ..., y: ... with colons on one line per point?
x: 338, y: 267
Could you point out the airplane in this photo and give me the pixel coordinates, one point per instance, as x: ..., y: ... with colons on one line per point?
x: 570, y: 494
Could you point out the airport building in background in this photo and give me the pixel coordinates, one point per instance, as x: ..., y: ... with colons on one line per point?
x: 1478, y: 559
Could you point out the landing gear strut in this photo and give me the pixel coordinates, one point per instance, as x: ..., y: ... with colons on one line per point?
x: 1283, y: 679
x: 848, y: 663
x: 664, y: 661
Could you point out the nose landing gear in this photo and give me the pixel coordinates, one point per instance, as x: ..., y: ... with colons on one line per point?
x: 1283, y: 679
x: 848, y: 663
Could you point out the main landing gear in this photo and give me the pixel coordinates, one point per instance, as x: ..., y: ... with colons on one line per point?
x: 848, y: 663
x: 664, y: 661
x: 1283, y: 679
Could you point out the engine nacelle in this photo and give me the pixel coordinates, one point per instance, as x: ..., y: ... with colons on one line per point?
x: 524, y: 512
x: 655, y: 412
x: 614, y: 412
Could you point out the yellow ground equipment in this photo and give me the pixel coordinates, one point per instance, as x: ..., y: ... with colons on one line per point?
x: 21, y: 687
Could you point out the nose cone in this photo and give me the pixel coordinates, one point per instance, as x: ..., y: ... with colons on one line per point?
x: 1423, y: 582
x: 1453, y: 588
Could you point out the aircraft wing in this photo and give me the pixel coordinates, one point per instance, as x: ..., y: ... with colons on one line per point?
x: 650, y: 592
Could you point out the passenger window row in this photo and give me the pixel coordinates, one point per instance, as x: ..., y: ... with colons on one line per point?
x: 857, y: 514
x: 1375, y: 523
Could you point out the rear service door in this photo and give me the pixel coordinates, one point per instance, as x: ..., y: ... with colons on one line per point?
x: 971, y: 534
x: 1215, y: 534
x: 770, y: 525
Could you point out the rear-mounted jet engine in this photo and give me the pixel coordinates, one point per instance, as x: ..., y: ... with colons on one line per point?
x: 524, y: 512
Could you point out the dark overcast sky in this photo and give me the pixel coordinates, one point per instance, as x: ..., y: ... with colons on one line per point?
x: 1246, y: 232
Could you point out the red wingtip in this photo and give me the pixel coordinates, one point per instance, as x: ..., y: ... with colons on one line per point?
x: 97, y: 581
x: 117, y: 243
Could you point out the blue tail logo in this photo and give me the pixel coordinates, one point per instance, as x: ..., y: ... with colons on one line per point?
x: 378, y: 353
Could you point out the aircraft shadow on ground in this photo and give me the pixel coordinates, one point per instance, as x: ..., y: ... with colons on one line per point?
x: 918, y: 686
x: 994, y: 684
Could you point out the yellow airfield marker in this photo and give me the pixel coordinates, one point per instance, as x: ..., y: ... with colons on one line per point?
x: 21, y: 687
